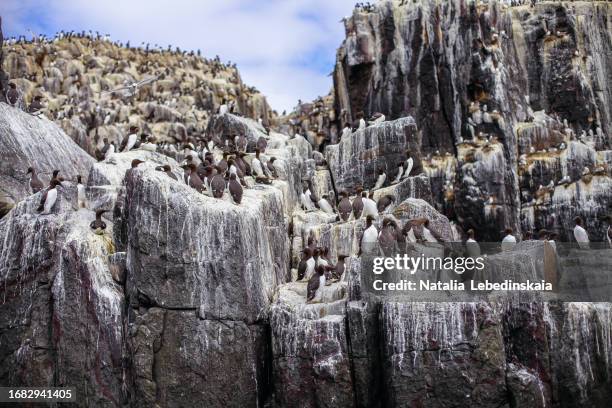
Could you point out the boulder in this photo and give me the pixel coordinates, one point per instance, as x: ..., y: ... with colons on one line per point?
x: 356, y: 159
x: 179, y: 241
x: 310, y: 354
x: 62, y: 313
x: 28, y: 141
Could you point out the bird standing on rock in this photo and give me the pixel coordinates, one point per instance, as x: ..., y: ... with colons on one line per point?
x: 81, y: 199
x: 36, y: 106
x: 110, y: 151
x: 325, y: 205
x: 344, y: 206
x: 369, y: 236
x: 130, y: 141
x: 315, y: 286
x: 408, y: 165
x: 235, y: 189
x: 168, y: 170
x: 35, y: 183
x: 369, y: 206
x: 49, y: 197
x: 271, y: 168
x: 381, y: 179
x: 12, y: 95
x: 217, y: 184
x: 400, y: 172
x: 98, y: 226
x: 358, y: 204
x: 193, y: 180
x: 310, y: 263
x: 384, y: 202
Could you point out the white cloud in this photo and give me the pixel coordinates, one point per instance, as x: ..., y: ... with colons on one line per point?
x: 285, y: 48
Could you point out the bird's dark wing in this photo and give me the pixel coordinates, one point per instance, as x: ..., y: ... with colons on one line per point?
x: 313, y: 285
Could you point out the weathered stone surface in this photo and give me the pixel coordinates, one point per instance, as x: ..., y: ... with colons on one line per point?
x: 310, y: 351
x: 443, y: 354
x: 61, y: 314
x: 105, y: 182
x: 181, y: 360
x: 356, y: 159
x: 441, y: 63
x: 365, y: 339
x: 29, y: 141
x: 415, y: 208
x: 70, y: 73
x: 179, y: 242
x: 3, y: 76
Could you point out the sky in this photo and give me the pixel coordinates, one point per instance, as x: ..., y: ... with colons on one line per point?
x: 285, y: 48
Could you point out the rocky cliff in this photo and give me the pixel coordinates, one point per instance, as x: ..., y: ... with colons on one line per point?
x: 185, y: 294
x: 509, y: 99
x: 3, y: 77
x: 71, y: 70
x: 26, y: 141
x: 189, y: 300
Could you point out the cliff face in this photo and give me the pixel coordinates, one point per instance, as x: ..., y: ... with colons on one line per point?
x: 186, y: 300
x: 3, y: 77
x: 472, y: 76
x: 26, y: 141
x: 70, y: 73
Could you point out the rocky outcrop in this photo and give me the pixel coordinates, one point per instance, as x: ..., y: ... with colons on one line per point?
x: 187, y: 300
x: 26, y: 141
x: 62, y: 313
x: 356, y: 159
x: 3, y: 76
x: 472, y: 75
x: 70, y: 72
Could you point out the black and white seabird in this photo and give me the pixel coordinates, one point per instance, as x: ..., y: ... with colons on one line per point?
x: 261, y: 144
x: 130, y: 141
x: 315, y: 285
x: 100, y: 153
x: 325, y: 206
x: 301, y: 272
x: 384, y: 202
x: 35, y: 183
x: 36, y: 106
x: 110, y: 151
x: 135, y: 163
x: 408, y: 165
x: 369, y: 206
x: 339, y: 268
x: 217, y: 184
x: 12, y: 95
x: 168, y: 170
x: 81, y: 199
x: 369, y: 236
x: 98, y: 225
x: 380, y: 181
x: 344, y: 206
x: 193, y: 180
x: 387, y: 239
x: 400, y: 173
x: 235, y: 189
x: 271, y: 168
x: 49, y: 197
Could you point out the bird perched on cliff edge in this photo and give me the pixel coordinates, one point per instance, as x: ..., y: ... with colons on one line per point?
x: 49, y: 197
x: 81, y: 200
x: 35, y: 183
x: 98, y: 226
x: 315, y: 285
